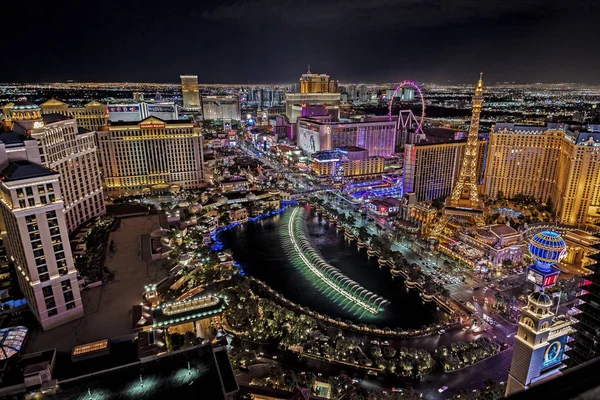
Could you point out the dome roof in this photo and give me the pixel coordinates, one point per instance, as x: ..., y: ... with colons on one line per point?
x: 11, y: 340
x: 540, y: 298
x: 23, y: 104
x: 222, y: 200
x: 547, y: 248
x: 251, y: 197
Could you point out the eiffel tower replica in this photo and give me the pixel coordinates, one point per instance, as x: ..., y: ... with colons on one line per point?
x: 464, y: 206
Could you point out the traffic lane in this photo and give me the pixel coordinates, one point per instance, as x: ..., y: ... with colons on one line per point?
x: 473, y: 377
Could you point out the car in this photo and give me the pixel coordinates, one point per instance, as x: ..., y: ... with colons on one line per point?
x: 354, y: 380
x: 372, y: 373
x: 466, y: 328
x: 485, y: 289
x: 375, y: 342
x: 474, y: 299
x: 441, y: 331
x: 385, y: 343
x: 397, y: 390
x: 492, y: 285
x: 274, y: 357
x: 443, y: 389
x: 475, y: 288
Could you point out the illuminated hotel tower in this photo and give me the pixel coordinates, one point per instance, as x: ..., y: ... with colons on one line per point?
x: 464, y: 203
x: 190, y: 93
x: 542, y: 337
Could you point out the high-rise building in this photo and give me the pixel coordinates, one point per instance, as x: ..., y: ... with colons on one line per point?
x: 190, y: 92
x: 363, y: 96
x: 317, y: 83
x: 151, y: 155
x: 542, y: 337
x: 376, y: 135
x: 431, y: 169
x: 464, y: 203
x: 347, y: 162
x: 351, y: 90
x: 38, y: 241
x: 59, y: 144
x: 221, y: 107
x: 586, y: 345
x: 91, y: 116
x: 315, y: 90
x: 551, y: 164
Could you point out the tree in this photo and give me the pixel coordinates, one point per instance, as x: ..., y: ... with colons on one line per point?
x: 224, y: 218
x: 363, y: 234
x: 389, y: 352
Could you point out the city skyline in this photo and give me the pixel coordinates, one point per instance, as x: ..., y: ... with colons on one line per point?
x: 385, y: 40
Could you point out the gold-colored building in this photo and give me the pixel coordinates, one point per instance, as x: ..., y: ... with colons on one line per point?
x: 190, y: 92
x: 151, y: 155
x: 367, y: 167
x: 317, y: 83
x: 91, y: 116
x: 551, y: 164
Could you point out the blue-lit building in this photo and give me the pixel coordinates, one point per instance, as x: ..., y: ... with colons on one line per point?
x: 542, y: 336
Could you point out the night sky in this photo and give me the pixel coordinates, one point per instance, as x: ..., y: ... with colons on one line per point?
x: 272, y: 41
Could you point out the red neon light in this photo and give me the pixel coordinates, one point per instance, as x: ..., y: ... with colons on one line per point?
x: 550, y: 280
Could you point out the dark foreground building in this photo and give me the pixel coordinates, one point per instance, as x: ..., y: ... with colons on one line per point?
x: 586, y: 345
x: 197, y: 372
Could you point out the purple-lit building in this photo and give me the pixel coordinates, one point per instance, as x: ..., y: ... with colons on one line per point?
x: 376, y: 135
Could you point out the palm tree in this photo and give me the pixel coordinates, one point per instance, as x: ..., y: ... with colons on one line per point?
x: 363, y: 234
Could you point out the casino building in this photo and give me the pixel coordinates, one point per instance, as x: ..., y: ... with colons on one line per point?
x: 57, y: 142
x: 431, y: 169
x: 376, y: 135
x: 556, y: 163
x: 92, y: 116
x: 150, y: 155
x: 542, y: 337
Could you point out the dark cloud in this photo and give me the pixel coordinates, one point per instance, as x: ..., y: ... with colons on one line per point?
x: 273, y: 40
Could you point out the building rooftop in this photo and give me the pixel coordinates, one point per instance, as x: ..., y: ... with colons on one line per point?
x: 11, y: 341
x: 21, y: 169
x: 12, y: 137
x: 189, y: 373
x: 350, y: 149
x: 54, y: 117
x: 149, y: 120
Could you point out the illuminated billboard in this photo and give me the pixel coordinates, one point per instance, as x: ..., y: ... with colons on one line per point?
x: 554, y: 353
x: 309, y: 139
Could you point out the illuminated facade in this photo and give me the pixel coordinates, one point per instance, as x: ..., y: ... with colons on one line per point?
x: 463, y: 204
x: 550, y: 164
x: 431, y: 169
x: 152, y: 154
x: 58, y: 143
x: 542, y: 337
x: 139, y: 111
x: 317, y: 83
x: 189, y: 92
x: 347, y: 162
x: 221, y: 107
x: 376, y: 135
x: 315, y: 90
x: 38, y: 242
x: 91, y: 116
x: 540, y: 343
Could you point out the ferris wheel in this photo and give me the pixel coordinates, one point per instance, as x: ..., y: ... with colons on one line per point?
x: 418, y: 119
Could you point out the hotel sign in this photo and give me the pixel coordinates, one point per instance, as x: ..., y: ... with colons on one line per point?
x: 151, y: 126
